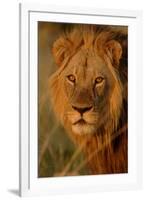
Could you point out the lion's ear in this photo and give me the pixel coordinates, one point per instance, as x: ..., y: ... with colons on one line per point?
x: 114, y: 52
x: 61, y: 50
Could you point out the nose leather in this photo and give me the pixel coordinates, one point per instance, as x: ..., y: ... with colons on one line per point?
x: 81, y: 110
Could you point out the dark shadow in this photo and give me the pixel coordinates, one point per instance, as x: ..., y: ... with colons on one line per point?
x: 14, y: 191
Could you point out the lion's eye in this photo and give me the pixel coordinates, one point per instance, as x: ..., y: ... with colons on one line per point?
x: 71, y: 78
x: 99, y: 79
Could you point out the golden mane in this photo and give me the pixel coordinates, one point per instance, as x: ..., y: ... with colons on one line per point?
x: 106, y: 151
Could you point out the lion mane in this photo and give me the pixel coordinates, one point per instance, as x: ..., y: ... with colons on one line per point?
x: 89, y: 93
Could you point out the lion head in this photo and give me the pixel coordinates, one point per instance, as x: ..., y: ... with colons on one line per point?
x: 86, y: 90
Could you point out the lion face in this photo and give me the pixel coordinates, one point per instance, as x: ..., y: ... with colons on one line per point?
x: 86, y: 90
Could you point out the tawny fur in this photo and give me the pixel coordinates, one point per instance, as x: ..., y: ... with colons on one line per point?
x: 105, y: 150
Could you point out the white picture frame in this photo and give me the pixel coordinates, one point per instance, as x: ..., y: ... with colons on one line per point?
x: 30, y: 184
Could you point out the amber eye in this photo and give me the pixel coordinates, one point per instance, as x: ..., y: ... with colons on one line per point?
x: 99, y: 80
x: 71, y: 78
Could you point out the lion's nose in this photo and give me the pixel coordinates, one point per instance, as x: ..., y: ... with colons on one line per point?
x: 82, y: 110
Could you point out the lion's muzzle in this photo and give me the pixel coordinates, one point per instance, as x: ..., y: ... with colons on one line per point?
x: 82, y: 120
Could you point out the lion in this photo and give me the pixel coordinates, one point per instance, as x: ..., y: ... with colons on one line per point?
x: 89, y: 94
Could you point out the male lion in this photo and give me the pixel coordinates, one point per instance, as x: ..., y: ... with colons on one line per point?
x: 89, y: 94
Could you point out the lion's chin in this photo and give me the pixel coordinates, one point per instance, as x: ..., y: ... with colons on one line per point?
x: 83, y: 129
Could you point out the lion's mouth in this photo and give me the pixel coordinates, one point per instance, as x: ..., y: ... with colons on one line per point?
x: 80, y: 121
x: 83, y: 127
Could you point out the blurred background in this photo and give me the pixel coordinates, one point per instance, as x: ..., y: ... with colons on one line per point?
x: 57, y: 155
